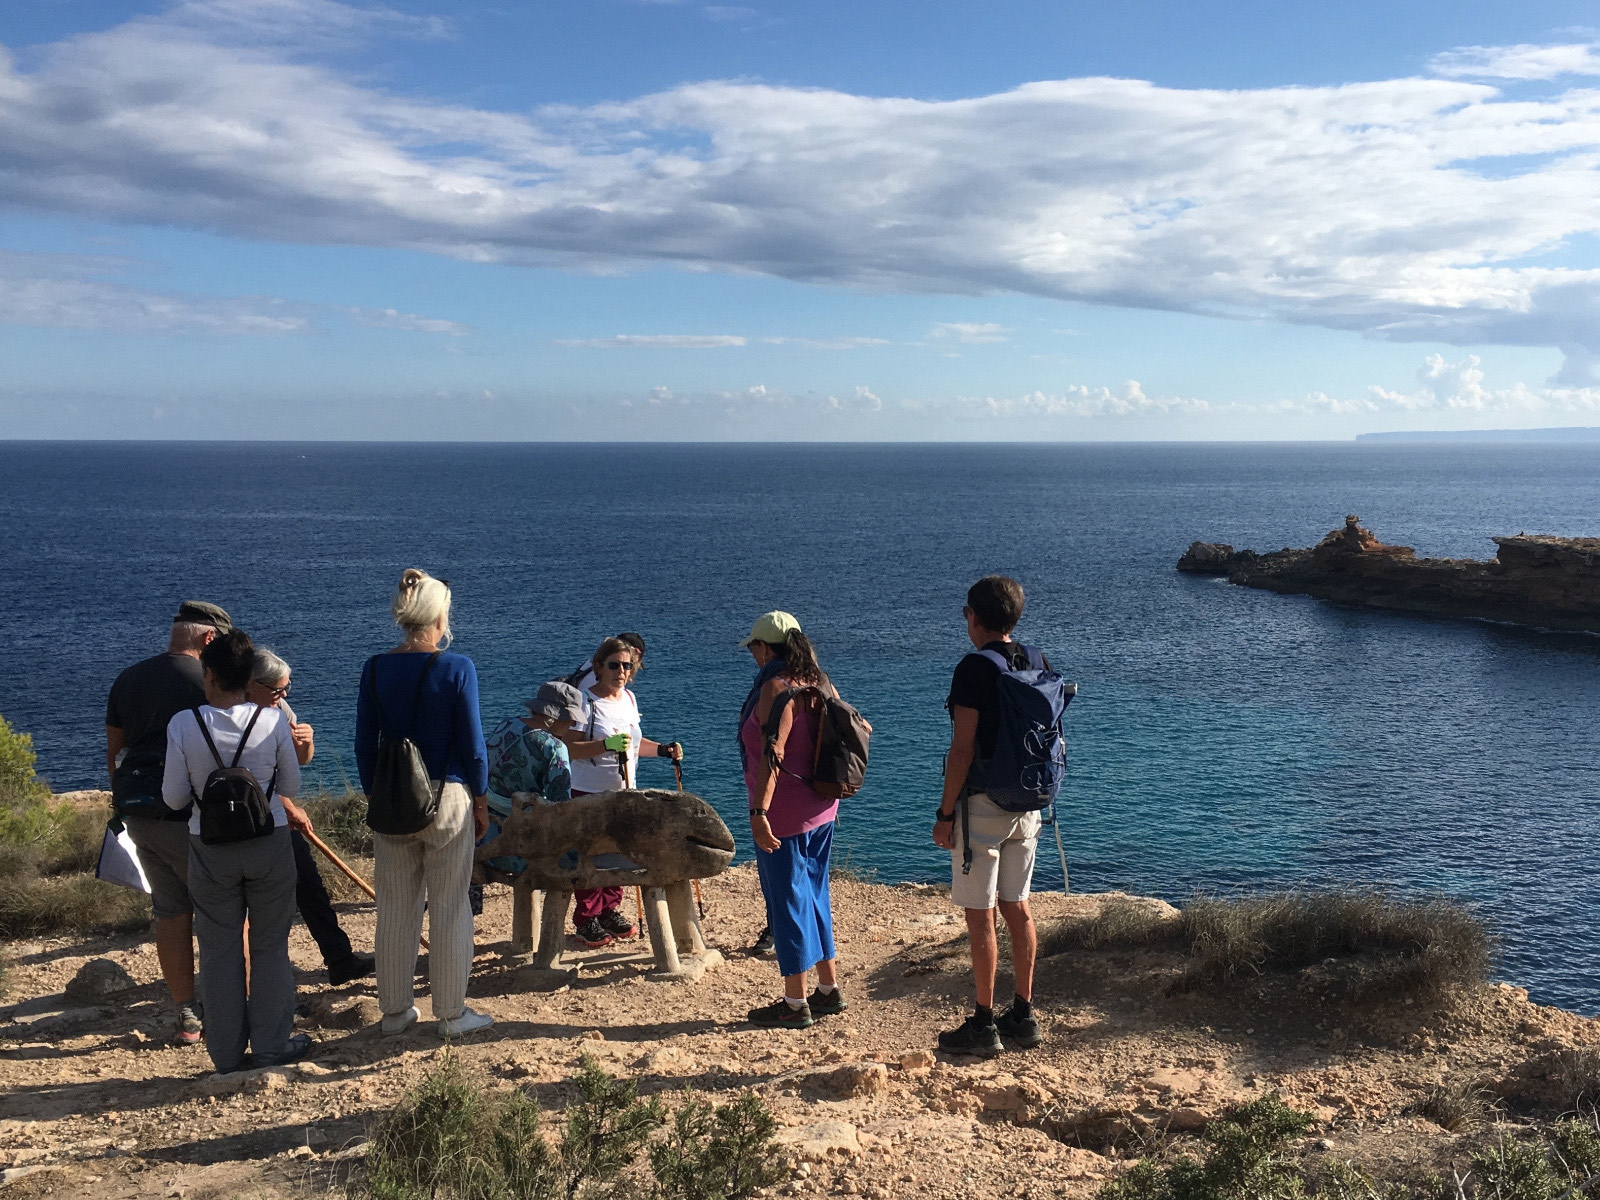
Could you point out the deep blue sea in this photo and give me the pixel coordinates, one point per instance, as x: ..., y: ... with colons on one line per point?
x: 1221, y: 738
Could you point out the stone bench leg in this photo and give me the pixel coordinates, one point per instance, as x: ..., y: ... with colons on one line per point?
x: 685, y: 918
x: 546, y: 972
x: 526, y: 905
x: 663, y: 942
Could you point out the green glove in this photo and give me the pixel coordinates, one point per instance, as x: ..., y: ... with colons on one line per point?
x: 617, y: 742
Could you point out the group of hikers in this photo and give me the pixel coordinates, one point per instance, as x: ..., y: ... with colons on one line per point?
x: 204, y: 755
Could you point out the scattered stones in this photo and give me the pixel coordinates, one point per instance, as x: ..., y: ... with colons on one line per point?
x: 97, y: 981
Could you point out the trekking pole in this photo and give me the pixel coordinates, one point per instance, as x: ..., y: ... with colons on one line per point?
x: 345, y: 867
x: 1066, y: 885
x: 677, y: 769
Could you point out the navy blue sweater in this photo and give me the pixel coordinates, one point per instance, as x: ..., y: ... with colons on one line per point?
x: 447, y: 730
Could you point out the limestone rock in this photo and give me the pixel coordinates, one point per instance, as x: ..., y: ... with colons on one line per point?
x: 856, y: 1079
x: 814, y: 1143
x: 917, y: 1060
x: 98, y: 981
x: 1187, y: 1120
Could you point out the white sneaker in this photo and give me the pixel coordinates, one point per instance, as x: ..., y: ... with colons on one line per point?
x: 397, y: 1023
x: 468, y: 1022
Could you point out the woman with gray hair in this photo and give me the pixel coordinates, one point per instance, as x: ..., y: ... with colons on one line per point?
x: 420, y: 691
x: 269, y: 687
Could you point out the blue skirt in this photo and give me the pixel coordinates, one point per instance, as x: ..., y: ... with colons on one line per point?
x: 794, y: 880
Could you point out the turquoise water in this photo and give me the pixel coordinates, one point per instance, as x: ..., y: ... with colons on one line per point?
x: 1221, y: 738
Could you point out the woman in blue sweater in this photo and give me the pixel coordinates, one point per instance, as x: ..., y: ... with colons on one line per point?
x: 420, y: 691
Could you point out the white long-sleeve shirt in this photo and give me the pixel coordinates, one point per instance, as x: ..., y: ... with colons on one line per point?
x: 189, y: 759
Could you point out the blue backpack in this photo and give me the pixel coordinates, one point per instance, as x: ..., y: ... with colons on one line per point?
x: 1030, y: 753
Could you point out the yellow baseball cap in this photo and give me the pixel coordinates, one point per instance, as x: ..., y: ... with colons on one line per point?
x: 773, y: 628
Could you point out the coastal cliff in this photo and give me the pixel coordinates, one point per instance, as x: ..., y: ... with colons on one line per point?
x: 1552, y: 582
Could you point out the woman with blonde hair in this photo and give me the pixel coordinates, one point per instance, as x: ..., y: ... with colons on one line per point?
x: 419, y: 690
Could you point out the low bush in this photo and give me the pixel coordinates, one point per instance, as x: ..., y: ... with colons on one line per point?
x: 1580, y: 1081
x: 1123, y: 921
x: 1426, y: 946
x: 451, y: 1139
x: 48, y: 849
x: 340, y: 819
x: 1247, y: 1155
x: 1455, y: 1105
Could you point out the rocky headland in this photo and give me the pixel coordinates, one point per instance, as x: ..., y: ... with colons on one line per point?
x: 1552, y: 582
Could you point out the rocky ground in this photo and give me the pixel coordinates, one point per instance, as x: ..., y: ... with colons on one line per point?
x: 92, y: 1091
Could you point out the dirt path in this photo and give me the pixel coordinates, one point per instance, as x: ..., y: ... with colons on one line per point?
x: 99, y: 1097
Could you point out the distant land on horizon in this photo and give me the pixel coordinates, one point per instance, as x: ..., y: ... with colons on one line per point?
x: 1577, y: 433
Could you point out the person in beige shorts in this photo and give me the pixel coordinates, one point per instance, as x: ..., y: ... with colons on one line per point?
x: 1002, y: 844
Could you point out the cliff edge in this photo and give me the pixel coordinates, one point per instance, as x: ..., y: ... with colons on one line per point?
x: 1552, y: 582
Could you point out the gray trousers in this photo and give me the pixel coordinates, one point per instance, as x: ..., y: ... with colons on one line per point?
x: 254, y: 879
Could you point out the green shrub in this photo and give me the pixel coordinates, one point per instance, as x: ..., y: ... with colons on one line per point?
x: 716, y: 1152
x: 1427, y: 946
x: 1580, y: 1081
x: 1244, y: 1159
x: 1512, y: 1170
x: 1576, y: 1148
x: 340, y: 819
x: 18, y: 783
x: 451, y: 1139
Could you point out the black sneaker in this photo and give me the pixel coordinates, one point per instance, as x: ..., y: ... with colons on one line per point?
x: 357, y: 966
x: 617, y: 925
x: 764, y: 943
x: 780, y: 1014
x: 593, y: 934
x: 296, y: 1048
x: 825, y: 1004
x: 1024, y: 1031
x: 969, y: 1037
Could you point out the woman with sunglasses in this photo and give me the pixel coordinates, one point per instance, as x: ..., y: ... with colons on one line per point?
x: 605, y: 747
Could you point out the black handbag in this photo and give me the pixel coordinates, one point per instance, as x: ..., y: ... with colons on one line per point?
x: 233, y: 808
x: 403, y: 799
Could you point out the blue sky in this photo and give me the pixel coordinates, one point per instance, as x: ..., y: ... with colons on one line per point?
x: 642, y: 220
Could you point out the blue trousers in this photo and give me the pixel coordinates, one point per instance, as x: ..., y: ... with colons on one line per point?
x: 794, y: 880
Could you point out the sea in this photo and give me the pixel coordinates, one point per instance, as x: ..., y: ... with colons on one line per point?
x: 1222, y: 739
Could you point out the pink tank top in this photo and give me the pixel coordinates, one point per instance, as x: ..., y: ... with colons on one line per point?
x: 795, y: 807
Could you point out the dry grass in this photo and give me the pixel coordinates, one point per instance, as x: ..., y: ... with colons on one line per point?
x: 1123, y: 921
x: 340, y: 819
x: 1580, y: 1082
x: 48, y: 852
x: 1455, y: 1105
x: 1379, y: 944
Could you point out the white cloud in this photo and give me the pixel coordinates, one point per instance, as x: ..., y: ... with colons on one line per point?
x: 389, y: 318
x: 1518, y: 62
x: 656, y: 341
x: 1077, y: 400
x: 55, y: 291
x: 728, y: 12
x: 1458, y: 387
x: 1410, y: 209
x: 970, y: 334
x: 840, y: 343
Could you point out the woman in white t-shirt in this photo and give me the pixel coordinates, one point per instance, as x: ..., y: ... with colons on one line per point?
x: 605, y: 747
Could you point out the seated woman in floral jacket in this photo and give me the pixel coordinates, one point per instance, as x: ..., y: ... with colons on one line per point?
x: 526, y: 754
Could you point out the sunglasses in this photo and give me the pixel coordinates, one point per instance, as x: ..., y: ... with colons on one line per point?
x: 278, y: 693
x: 618, y: 665
x: 966, y: 610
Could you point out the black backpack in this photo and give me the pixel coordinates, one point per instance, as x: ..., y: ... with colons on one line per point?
x: 233, y: 808
x: 403, y: 800
x: 840, y: 763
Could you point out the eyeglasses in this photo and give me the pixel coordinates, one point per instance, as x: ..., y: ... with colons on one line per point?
x: 618, y: 665
x: 966, y: 610
x: 278, y: 693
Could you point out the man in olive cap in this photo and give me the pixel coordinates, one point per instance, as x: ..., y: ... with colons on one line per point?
x: 144, y: 698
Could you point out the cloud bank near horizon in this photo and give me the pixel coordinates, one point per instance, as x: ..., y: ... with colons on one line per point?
x: 1409, y: 209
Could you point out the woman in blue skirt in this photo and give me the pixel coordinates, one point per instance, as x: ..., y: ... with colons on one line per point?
x: 791, y: 824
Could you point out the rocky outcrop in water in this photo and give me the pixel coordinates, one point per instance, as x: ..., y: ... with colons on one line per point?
x: 1552, y: 582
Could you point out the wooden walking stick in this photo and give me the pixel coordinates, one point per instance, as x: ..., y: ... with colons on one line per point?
x: 345, y: 867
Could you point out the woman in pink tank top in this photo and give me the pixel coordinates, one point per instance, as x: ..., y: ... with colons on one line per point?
x: 791, y: 824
